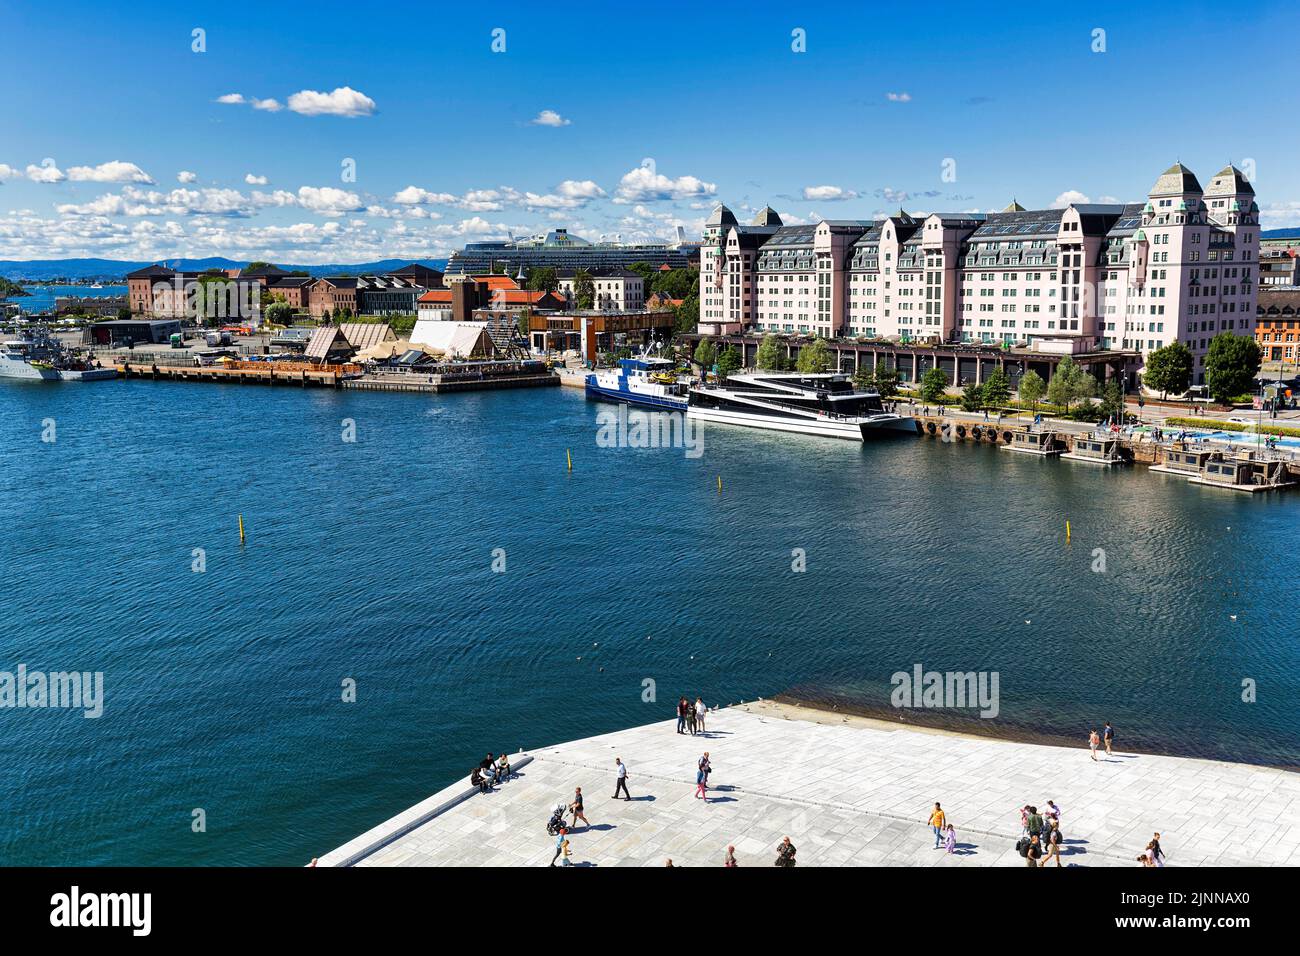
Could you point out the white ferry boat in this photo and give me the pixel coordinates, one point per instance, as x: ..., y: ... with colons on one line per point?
x: 40, y: 356
x: 809, y: 404
x: 639, y: 381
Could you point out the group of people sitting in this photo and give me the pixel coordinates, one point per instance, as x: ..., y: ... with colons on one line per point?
x: 489, y: 772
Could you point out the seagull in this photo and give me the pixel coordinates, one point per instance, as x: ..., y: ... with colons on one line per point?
x: 1233, y: 616
x: 1027, y: 621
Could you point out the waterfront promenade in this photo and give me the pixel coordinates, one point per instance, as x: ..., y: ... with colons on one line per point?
x: 847, y: 791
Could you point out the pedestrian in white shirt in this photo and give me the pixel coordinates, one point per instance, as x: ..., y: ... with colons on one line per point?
x: 621, y: 770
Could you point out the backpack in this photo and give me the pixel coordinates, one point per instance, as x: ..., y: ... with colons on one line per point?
x: 1022, y: 846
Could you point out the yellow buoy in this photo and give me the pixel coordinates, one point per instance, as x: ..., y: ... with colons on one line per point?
x: 719, y: 484
x: 1067, y: 530
x: 569, y: 456
x: 241, y: 528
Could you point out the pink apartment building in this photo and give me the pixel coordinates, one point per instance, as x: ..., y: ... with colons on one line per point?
x: 1181, y: 266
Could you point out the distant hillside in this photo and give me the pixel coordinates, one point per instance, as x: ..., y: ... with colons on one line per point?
x: 49, y: 270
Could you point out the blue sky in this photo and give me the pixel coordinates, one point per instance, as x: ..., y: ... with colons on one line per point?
x: 115, y: 143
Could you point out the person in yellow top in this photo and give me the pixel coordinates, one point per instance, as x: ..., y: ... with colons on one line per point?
x: 937, y: 822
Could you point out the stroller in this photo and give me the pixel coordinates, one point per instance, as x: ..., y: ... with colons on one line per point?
x: 557, y: 820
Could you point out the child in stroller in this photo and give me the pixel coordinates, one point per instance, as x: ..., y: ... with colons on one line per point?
x: 557, y: 819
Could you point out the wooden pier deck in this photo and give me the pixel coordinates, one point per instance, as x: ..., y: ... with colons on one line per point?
x: 263, y: 374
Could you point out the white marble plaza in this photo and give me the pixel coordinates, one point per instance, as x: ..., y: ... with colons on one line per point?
x: 848, y: 792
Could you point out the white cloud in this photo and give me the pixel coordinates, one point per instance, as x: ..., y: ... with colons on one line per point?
x: 1068, y: 197
x: 414, y: 195
x: 47, y: 172
x: 646, y: 183
x: 111, y: 172
x: 579, y: 189
x: 132, y: 201
x: 278, y: 198
x: 329, y: 201
x: 902, y: 97
x: 255, y: 180
x: 271, y: 105
x: 344, y: 101
x: 231, y: 99
x: 8, y: 172
x: 186, y: 177
x: 891, y: 195
x: 1277, y: 214
x: 549, y: 118
x: 827, y: 193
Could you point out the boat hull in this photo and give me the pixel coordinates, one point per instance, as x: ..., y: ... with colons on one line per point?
x: 850, y: 430
x: 26, y: 371
x: 633, y: 398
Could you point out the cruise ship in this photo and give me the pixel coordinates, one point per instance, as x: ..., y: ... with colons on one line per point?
x: 562, y: 250
x: 810, y: 404
x: 651, y: 382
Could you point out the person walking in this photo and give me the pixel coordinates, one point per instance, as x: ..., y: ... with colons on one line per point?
x: 1157, y: 854
x: 937, y: 824
x: 1053, y: 845
x: 1053, y: 812
x: 785, y: 853
x: 576, y: 808
x: 690, y: 718
x: 621, y: 770
x: 700, y: 712
x: 702, y: 778
x: 681, y: 715
x: 1108, y: 735
x: 730, y: 859
x: 950, y: 839
x: 1093, y: 741
x: 566, y: 851
x: 560, y: 839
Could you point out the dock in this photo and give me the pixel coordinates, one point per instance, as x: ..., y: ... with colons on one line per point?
x: 241, y: 373
x: 848, y: 791
x: 504, y: 375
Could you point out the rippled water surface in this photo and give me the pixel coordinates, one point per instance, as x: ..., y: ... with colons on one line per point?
x: 373, y: 561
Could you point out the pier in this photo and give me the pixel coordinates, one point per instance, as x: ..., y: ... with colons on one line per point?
x: 847, y: 791
x: 245, y: 373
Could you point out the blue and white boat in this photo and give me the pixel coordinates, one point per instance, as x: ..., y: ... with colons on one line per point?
x: 640, y: 381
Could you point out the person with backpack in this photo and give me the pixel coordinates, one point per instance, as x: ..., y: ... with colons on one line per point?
x: 1032, y: 851
x: 681, y: 715
x: 1093, y: 740
x: 785, y: 853
x: 1108, y: 736
x: 1035, y: 822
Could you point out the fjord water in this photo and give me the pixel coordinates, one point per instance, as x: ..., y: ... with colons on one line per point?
x: 372, y: 561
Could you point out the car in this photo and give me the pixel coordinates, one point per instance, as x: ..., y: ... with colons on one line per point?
x: 1238, y: 420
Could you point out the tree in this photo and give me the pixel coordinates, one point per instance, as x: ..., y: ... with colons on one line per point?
x: 675, y: 283
x: 728, y: 361
x: 542, y: 279
x: 584, y: 289
x: 933, y: 384
x: 886, y: 380
x: 1168, y: 369
x: 997, y: 389
x: 279, y: 313
x: 687, y: 315
x: 524, y: 315
x: 1231, y: 365
x: 863, y: 378
x: 705, y: 355
x: 1031, y: 388
x: 123, y: 314
x: 972, y: 398
x: 1065, y: 385
x: 814, y: 358
x: 1112, y: 400
x: 769, y: 357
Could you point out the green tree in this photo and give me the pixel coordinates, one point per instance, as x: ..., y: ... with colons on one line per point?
x: 769, y: 357
x: 814, y: 358
x: 542, y: 279
x: 687, y: 315
x: 886, y: 380
x: 863, y: 379
x: 584, y: 289
x: 278, y: 313
x: 706, y: 356
x: 1231, y: 365
x: 933, y: 384
x: 972, y: 398
x: 675, y: 283
x: 1031, y: 388
x: 1112, y: 400
x: 1168, y: 369
x: 997, y: 389
x: 1065, y: 385
x: 123, y: 314
x: 728, y: 361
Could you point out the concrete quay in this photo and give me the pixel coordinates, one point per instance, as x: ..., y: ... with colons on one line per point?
x: 848, y: 791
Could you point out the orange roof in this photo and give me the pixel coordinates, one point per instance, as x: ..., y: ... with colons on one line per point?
x: 494, y: 282
x: 519, y: 297
x: 436, y: 295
